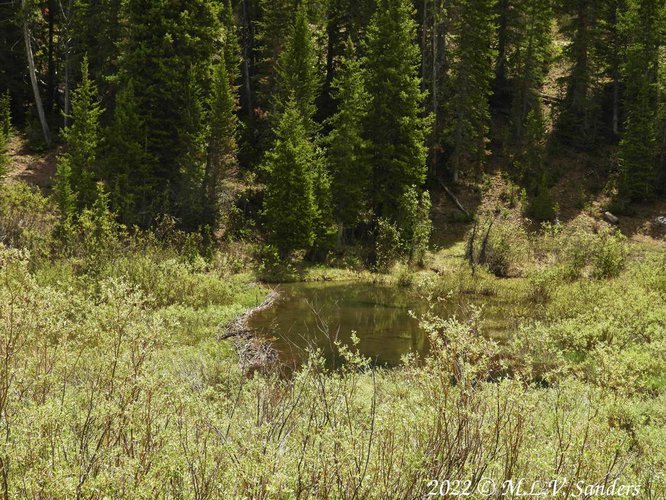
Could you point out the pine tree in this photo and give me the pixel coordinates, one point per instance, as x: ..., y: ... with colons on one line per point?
x: 64, y: 195
x: 83, y: 140
x: 272, y: 32
x: 639, y: 145
x: 231, y: 46
x: 347, y: 151
x: 127, y: 164
x: 297, y: 71
x: 168, y: 48
x: 289, y: 205
x: 221, y: 161
x: 528, y: 51
x: 579, y: 111
x: 395, y: 124
x: 468, y: 107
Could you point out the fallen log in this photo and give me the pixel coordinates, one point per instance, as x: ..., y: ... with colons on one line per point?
x: 454, y: 199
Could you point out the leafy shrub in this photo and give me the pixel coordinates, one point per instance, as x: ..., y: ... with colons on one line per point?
x: 601, y: 255
x: 26, y: 219
x: 500, y: 244
x: 388, y: 245
x: 422, y: 230
x: 610, y: 256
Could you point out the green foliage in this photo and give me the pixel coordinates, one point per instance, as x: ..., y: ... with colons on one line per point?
x: 601, y: 255
x: 5, y: 114
x: 290, y: 206
x: 347, y: 148
x: 639, y: 146
x: 395, y: 125
x: 167, y: 55
x: 297, y: 75
x: 542, y: 206
x: 388, y: 245
x: 500, y: 244
x: 83, y: 141
x: 528, y: 54
x: 422, y: 230
x: 5, y: 129
x: 468, y: 112
x: 221, y: 164
x: 64, y: 194
x: 26, y: 220
x: 127, y: 164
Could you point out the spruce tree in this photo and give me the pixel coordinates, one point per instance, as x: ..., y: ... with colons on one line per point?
x: 639, y: 145
x: 347, y: 151
x: 127, y: 164
x: 221, y: 163
x: 395, y: 124
x: 231, y: 46
x: 577, y: 122
x: 471, y: 74
x: 290, y: 207
x: 297, y: 71
x: 529, y: 48
x: 169, y: 48
x: 83, y: 140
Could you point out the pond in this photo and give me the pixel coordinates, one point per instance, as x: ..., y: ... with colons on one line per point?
x: 316, y: 314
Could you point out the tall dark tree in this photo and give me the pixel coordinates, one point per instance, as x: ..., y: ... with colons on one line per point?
x: 297, y: 71
x: 82, y: 139
x: 127, y: 166
x: 221, y: 162
x: 639, y: 145
x: 290, y: 207
x: 472, y: 70
x: 579, y: 112
x: 348, y: 149
x: 167, y: 55
x: 395, y: 123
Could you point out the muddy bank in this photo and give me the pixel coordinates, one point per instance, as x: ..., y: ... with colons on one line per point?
x: 254, y: 353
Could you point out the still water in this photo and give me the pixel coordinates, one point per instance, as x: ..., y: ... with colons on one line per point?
x: 315, y: 314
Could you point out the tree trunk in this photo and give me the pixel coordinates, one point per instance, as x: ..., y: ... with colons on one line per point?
x: 33, y: 79
x: 50, y: 93
x: 246, y: 59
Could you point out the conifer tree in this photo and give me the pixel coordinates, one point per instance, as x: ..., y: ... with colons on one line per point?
x: 395, y: 124
x: 64, y: 195
x: 578, y: 117
x: 289, y: 205
x: 348, y: 159
x: 273, y: 29
x: 221, y: 161
x: 639, y: 145
x: 169, y: 48
x: 297, y: 71
x: 528, y: 53
x: 468, y: 107
x: 232, y: 52
x: 83, y: 140
x: 127, y: 164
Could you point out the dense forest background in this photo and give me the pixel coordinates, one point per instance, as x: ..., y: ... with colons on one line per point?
x: 328, y: 122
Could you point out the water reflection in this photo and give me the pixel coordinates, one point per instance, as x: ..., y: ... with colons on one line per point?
x: 318, y: 313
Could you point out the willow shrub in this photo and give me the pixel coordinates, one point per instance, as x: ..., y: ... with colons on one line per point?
x: 100, y: 397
